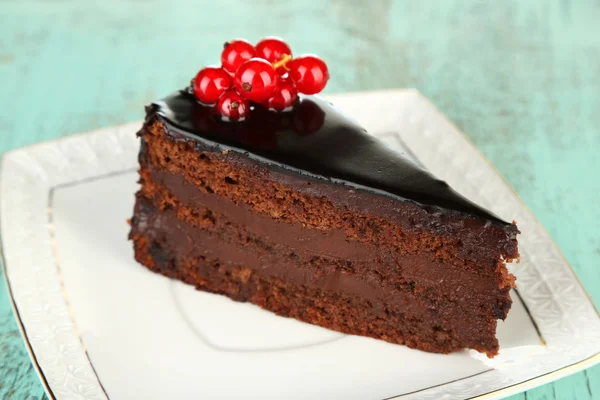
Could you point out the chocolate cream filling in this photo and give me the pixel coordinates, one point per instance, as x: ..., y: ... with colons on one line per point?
x: 364, y: 269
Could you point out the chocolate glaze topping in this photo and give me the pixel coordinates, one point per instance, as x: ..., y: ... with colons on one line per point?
x: 315, y: 139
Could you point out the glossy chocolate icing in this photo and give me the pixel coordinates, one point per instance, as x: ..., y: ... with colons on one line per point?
x: 318, y: 140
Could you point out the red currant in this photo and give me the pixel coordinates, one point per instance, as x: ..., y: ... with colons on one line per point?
x: 210, y: 83
x: 232, y: 106
x: 284, y: 97
x: 273, y: 49
x: 309, y: 73
x: 235, y: 53
x: 256, y: 80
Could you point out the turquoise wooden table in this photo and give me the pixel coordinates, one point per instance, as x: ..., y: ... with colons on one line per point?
x: 520, y: 78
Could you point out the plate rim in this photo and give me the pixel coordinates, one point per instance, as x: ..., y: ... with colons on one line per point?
x: 18, y: 320
x: 510, y: 389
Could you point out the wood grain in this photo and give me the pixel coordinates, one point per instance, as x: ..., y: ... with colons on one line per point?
x: 520, y: 78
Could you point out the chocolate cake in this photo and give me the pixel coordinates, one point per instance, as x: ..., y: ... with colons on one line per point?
x: 305, y: 214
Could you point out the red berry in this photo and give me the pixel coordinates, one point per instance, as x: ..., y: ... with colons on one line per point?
x: 273, y: 49
x: 284, y: 97
x: 232, y: 106
x: 210, y: 83
x: 309, y: 73
x: 256, y: 80
x: 235, y: 53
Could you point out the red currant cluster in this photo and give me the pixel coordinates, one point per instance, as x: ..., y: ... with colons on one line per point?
x: 264, y: 74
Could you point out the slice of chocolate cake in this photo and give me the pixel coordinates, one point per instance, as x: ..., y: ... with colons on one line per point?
x: 305, y: 214
x: 283, y: 201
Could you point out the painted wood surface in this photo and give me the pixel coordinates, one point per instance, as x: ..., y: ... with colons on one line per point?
x: 520, y: 78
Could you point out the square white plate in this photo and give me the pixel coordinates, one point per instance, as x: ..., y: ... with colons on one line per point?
x: 98, y: 325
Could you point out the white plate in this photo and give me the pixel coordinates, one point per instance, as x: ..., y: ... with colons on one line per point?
x: 99, y: 325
